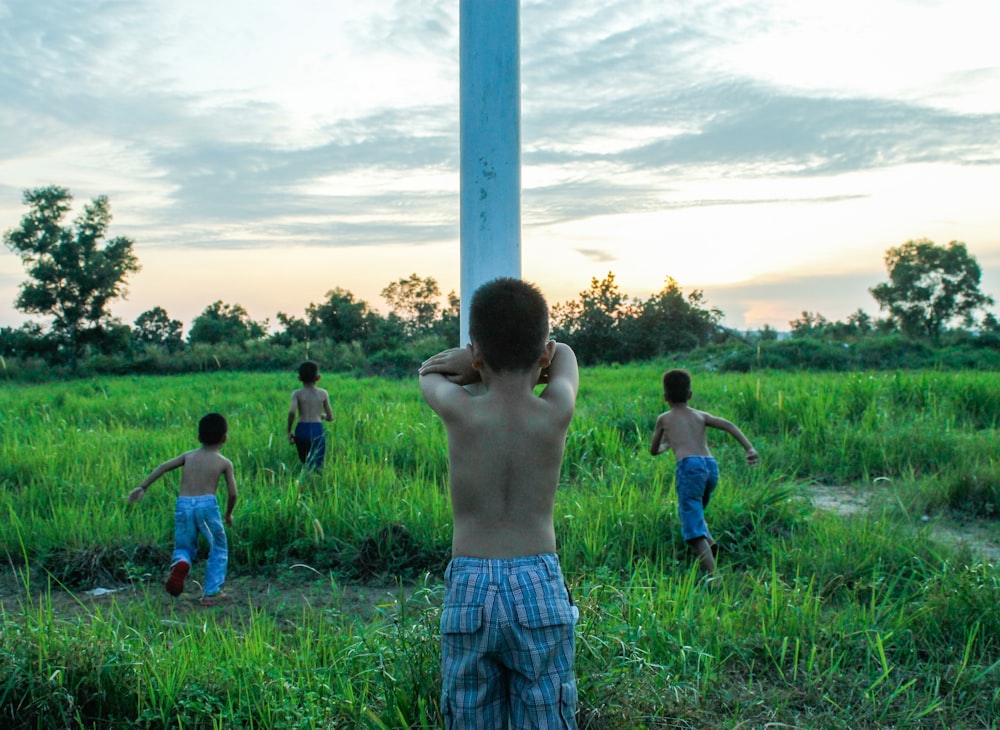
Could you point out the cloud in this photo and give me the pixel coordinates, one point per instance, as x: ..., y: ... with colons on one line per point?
x: 596, y: 255
x: 623, y: 104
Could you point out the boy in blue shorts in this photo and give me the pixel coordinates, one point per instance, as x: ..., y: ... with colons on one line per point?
x: 312, y: 406
x: 507, y: 644
x: 683, y: 429
x: 197, y: 509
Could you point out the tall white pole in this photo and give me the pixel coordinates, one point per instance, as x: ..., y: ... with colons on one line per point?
x: 490, y: 132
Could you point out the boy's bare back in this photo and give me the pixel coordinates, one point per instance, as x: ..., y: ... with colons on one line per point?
x: 684, y: 429
x: 505, y: 447
x: 202, y: 470
x: 311, y: 404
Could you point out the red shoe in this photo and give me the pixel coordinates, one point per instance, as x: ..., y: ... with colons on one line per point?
x: 175, y: 583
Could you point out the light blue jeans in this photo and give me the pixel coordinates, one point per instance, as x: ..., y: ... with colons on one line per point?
x: 194, y: 515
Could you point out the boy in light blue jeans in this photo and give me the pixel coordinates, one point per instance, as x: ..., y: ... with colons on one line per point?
x: 197, y: 509
x: 682, y: 429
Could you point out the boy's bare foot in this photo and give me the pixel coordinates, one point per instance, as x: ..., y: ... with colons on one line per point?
x: 213, y: 599
x: 178, y: 573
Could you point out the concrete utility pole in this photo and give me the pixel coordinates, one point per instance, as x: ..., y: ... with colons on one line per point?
x: 490, y: 131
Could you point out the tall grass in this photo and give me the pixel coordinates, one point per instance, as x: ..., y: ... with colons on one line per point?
x: 820, y: 620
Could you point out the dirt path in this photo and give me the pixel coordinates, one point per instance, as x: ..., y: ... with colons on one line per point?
x: 283, y: 594
x: 980, y: 537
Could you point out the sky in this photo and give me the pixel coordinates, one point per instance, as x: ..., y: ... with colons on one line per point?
x: 765, y: 152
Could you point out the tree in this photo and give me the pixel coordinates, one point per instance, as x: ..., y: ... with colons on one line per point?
x: 225, y: 323
x: 415, y: 302
x: 154, y: 327
x: 73, y: 277
x: 293, y: 330
x: 930, y: 286
x: 592, y: 325
x: 670, y: 322
x: 340, y: 318
x: 809, y: 324
x: 448, y: 325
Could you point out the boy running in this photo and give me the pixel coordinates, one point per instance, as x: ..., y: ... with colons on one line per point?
x: 312, y: 406
x: 197, y: 509
x: 683, y: 429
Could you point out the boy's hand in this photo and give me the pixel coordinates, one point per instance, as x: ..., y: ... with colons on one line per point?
x: 136, y: 494
x: 454, y: 364
x: 229, y: 520
x: 753, y: 458
x: 291, y: 438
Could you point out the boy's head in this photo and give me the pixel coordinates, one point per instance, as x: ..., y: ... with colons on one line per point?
x: 509, y: 324
x: 677, y: 386
x: 212, y: 429
x: 309, y: 372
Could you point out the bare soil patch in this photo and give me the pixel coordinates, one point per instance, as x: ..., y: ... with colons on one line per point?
x: 979, y: 537
x: 283, y: 593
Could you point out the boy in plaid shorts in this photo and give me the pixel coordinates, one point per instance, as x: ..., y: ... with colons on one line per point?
x: 507, y: 625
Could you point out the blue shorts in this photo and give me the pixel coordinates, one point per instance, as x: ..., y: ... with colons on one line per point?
x: 696, y: 478
x: 507, y: 645
x: 310, y: 440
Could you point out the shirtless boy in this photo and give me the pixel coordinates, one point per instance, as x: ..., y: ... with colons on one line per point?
x: 507, y: 645
x: 683, y: 429
x: 197, y: 509
x: 312, y: 406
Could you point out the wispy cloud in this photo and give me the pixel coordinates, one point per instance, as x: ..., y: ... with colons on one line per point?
x: 335, y: 124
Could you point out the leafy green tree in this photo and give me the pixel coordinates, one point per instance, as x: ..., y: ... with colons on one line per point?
x: 669, y: 321
x: 766, y: 334
x: 154, y: 327
x: 225, y: 323
x: 930, y: 286
x: 415, y: 302
x: 341, y: 317
x: 592, y: 326
x: 990, y: 323
x: 112, y: 337
x: 448, y: 324
x: 73, y: 277
x: 28, y: 340
x: 293, y: 330
x: 810, y: 324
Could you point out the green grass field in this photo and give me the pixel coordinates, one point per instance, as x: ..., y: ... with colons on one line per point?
x: 822, y: 620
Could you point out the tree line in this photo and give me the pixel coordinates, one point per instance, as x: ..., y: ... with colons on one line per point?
x: 73, y: 275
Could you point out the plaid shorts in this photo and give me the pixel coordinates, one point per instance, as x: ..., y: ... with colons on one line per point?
x: 507, y: 645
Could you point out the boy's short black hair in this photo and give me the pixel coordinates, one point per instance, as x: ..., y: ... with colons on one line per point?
x: 309, y: 371
x: 509, y: 322
x: 677, y: 385
x: 212, y: 429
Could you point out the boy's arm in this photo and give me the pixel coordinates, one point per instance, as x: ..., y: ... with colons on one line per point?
x: 442, y: 377
x: 454, y: 364
x: 327, y: 408
x: 139, y: 492
x: 292, y: 410
x: 734, y: 431
x: 230, y: 492
x: 561, y: 377
x: 659, y: 444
